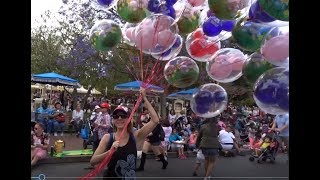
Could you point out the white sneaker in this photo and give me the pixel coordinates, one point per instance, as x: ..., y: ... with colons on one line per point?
x: 61, y: 134
x: 55, y: 134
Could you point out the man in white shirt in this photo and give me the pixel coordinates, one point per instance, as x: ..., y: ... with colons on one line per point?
x: 227, y: 141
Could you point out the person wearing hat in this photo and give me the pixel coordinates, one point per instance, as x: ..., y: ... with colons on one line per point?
x: 123, y: 160
x: 102, y: 124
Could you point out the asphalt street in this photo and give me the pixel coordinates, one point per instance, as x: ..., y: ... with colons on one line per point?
x: 238, y: 167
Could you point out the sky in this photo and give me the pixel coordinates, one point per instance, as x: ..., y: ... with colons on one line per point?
x: 38, y: 7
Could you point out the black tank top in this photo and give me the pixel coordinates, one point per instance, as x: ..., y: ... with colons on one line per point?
x: 122, y: 164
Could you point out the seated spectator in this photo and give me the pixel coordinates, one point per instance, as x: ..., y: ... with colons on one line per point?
x: 39, y: 144
x: 59, y: 116
x: 193, y: 139
x: 177, y: 143
x: 227, y: 141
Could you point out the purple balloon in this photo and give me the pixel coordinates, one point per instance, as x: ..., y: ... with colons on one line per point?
x: 265, y: 93
x: 256, y: 14
x: 105, y: 2
x: 166, y: 10
x: 204, y: 98
x: 202, y: 109
x: 171, y: 2
x: 228, y: 25
x: 166, y: 53
x: 177, y: 43
x: 153, y: 5
x: 212, y: 26
x: 219, y: 96
x: 282, y: 96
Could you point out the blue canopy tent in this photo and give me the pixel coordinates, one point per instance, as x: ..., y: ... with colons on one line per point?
x: 185, y: 94
x: 135, y: 86
x: 54, y: 79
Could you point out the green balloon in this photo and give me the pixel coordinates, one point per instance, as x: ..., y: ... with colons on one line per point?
x: 255, y: 67
x: 223, y: 9
x: 107, y: 41
x: 249, y: 35
x: 130, y: 14
x: 279, y: 9
x: 187, y: 25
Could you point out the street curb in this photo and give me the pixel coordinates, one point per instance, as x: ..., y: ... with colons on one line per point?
x: 86, y: 158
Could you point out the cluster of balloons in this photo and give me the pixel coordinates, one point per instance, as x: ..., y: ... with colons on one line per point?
x: 160, y: 27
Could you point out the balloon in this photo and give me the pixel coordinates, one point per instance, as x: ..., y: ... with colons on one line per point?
x: 103, y: 4
x: 131, y: 10
x: 189, y: 21
x: 201, y: 49
x: 227, y: 9
x: 227, y: 25
x: 171, y: 2
x: 181, y: 72
x: 212, y: 26
x: 256, y: 14
x: 195, y: 3
x: 271, y: 91
x: 128, y: 33
x: 156, y: 34
x: 276, y: 50
x: 249, y: 35
x: 209, y: 100
x: 153, y: 5
x: 105, y: 34
x: 166, y: 10
x: 226, y: 65
x: 279, y: 9
x: 172, y: 52
x: 255, y: 67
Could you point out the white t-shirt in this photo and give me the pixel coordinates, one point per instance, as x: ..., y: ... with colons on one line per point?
x: 167, y: 132
x: 225, y: 137
x: 172, y: 118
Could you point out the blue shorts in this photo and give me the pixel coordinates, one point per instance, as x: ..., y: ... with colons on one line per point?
x: 210, y: 152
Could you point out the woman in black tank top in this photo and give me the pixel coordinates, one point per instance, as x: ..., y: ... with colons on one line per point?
x: 123, y: 161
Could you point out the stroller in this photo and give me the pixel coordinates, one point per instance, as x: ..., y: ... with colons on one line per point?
x: 270, y: 152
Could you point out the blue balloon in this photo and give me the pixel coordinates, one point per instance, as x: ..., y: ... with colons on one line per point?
x: 105, y: 2
x: 202, y: 109
x: 209, y: 13
x: 153, y: 5
x: 283, y: 97
x: 167, y: 10
x: 256, y: 14
x: 204, y: 98
x: 171, y: 2
x: 212, y: 26
x: 177, y: 43
x: 228, y: 25
x: 219, y: 96
x: 166, y: 53
x: 265, y: 93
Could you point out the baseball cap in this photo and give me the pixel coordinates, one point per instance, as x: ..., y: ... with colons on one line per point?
x: 122, y: 109
x: 104, y: 105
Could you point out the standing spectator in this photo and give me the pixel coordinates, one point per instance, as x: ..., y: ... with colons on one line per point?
x: 172, y: 116
x: 77, y: 119
x: 39, y: 144
x: 193, y: 139
x: 209, y: 144
x: 103, y: 122
x: 281, y: 125
x: 167, y: 131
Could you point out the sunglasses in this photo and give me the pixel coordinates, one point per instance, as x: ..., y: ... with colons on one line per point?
x: 122, y: 116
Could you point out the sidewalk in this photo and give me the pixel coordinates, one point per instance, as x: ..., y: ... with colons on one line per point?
x: 72, y: 142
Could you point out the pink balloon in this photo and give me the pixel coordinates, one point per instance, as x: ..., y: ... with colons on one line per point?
x: 276, y: 49
x: 236, y: 62
x: 145, y: 40
x: 129, y: 33
x: 221, y: 68
x: 166, y: 38
x: 195, y: 3
x: 162, y: 23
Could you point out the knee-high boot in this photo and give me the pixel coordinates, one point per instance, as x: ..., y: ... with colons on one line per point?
x: 142, y: 162
x: 164, y: 162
